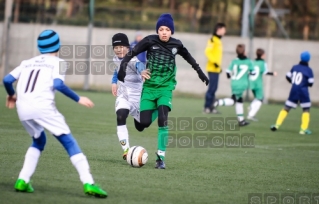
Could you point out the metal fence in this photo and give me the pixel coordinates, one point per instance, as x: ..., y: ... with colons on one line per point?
x: 189, y: 16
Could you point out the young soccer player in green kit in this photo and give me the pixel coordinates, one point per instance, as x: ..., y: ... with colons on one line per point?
x: 157, y: 91
x: 256, y: 84
x: 239, y: 71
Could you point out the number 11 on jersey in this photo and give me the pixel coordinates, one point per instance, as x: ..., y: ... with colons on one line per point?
x: 34, y: 81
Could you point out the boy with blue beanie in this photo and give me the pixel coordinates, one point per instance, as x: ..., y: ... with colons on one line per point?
x: 301, y: 77
x: 157, y: 90
x: 39, y: 77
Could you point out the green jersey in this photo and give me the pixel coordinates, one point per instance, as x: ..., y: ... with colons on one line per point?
x: 239, y: 70
x: 160, y: 61
x: 260, y: 68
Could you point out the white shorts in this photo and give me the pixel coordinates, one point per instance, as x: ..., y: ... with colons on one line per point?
x: 133, y: 106
x: 56, y: 125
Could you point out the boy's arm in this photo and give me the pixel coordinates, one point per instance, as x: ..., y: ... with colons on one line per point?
x: 140, y: 66
x: 266, y: 72
x: 251, y: 68
x: 188, y: 57
x: 8, y: 84
x: 58, y: 82
x: 229, y: 70
x: 311, y: 79
x: 288, y: 76
x: 114, y: 78
x: 11, y: 78
x: 140, y: 47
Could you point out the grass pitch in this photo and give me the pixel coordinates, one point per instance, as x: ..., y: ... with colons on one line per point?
x: 280, y: 162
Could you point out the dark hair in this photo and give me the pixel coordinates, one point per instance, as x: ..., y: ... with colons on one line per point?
x: 260, y: 52
x: 219, y: 26
x: 240, y: 49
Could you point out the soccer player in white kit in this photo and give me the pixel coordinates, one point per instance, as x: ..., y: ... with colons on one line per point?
x: 38, y: 78
x: 128, y: 93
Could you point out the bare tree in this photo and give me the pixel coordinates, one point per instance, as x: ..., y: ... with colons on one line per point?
x: 16, y: 11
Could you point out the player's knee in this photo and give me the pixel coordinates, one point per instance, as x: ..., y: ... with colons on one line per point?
x: 261, y: 100
x: 287, y: 108
x: 239, y: 100
x: 40, y: 142
x: 121, y: 116
x: 306, y: 109
x: 145, y: 121
x: 69, y: 144
x: 162, y: 120
x: 163, y: 115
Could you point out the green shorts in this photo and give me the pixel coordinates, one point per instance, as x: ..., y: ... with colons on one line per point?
x: 152, y: 99
x: 238, y: 92
x: 258, y: 93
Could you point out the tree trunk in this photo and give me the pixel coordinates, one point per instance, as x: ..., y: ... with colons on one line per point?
x: 40, y: 11
x: 172, y: 6
x: 70, y: 9
x: 199, y: 13
x: 306, y: 20
x: 16, y: 11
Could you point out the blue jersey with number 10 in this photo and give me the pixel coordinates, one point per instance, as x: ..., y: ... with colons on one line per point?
x: 301, y: 77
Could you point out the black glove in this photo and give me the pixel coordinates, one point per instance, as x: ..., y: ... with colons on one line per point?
x: 121, y: 75
x: 202, y: 76
x: 216, y: 65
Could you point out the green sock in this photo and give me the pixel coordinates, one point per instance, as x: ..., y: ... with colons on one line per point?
x: 162, y: 141
x: 154, y: 115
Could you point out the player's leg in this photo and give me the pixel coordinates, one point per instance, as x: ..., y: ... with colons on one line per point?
x: 255, y: 104
x: 289, y: 104
x: 225, y: 102
x: 32, y: 156
x: 164, y: 104
x: 57, y: 126
x: 162, y: 136
x: 122, y: 132
x: 139, y: 126
x: 209, y: 97
x: 282, y: 116
x: 305, y: 117
x: 239, y: 107
x: 147, y: 108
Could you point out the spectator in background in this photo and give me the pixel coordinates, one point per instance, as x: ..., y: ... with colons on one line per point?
x: 138, y: 37
x: 213, y: 52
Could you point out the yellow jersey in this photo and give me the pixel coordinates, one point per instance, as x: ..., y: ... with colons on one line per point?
x: 214, y: 52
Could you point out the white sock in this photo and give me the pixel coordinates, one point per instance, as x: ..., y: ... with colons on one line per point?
x: 30, y: 163
x: 254, y: 107
x: 240, y: 111
x: 161, y: 153
x: 122, y: 134
x: 81, y: 164
x: 226, y: 102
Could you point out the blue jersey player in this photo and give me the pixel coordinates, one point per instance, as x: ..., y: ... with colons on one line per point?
x: 301, y: 77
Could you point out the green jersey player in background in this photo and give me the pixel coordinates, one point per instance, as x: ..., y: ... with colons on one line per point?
x: 239, y: 71
x: 157, y: 91
x: 256, y: 84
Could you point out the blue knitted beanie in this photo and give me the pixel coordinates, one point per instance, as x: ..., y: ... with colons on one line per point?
x: 165, y: 20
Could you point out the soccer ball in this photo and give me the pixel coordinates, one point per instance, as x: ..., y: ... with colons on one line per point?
x: 137, y: 156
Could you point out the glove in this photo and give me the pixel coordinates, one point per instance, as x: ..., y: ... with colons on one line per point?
x: 216, y: 65
x: 202, y: 76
